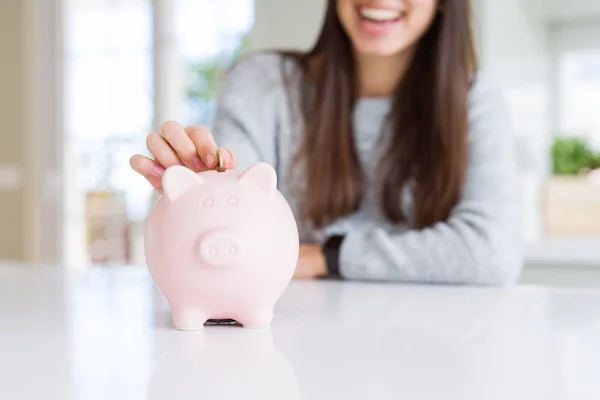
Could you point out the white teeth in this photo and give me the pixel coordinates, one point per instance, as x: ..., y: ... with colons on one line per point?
x: 377, y: 14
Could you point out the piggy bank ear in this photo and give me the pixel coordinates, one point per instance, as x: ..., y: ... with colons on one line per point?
x: 262, y: 176
x: 177, y: 180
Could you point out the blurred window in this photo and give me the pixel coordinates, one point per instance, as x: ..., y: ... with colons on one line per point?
x: 579, y: 103
x: 210, y: 34
x: 108, y: 64
x: 109, y: 91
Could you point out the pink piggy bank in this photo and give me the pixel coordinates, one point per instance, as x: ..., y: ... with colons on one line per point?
x: 221, y: 245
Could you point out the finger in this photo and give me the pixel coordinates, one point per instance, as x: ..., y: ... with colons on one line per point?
x: 180, y: 141
x: 206, y: 147
x: 149, y: 169
x: 146, y: 167
x: 162, y: 151
x: 156, y: 183
x: 229, y: 159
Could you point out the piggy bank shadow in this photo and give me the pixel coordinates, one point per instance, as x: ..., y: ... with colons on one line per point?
x: 163, y: 316
x: 222, y: 363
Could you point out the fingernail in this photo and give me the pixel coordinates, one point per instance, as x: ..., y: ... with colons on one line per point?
x: 197, y: 162
x: 210, y: 160
x: 226, y: 157
x: 158, y: 170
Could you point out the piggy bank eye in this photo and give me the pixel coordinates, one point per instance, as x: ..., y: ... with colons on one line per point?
x: 208, y: 202
x: 232, y: 201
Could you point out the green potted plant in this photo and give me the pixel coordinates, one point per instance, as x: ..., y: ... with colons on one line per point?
x: 573, y: 156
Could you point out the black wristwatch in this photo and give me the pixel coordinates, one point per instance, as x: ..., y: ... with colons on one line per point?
x: 331, y: 250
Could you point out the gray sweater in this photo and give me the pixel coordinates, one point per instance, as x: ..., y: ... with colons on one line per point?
x: 480, y: 243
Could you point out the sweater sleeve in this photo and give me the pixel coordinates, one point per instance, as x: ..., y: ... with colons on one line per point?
x: 245, y: 119
x: 481, y: 241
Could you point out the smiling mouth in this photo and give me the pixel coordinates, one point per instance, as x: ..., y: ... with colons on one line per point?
x: 380, y: 15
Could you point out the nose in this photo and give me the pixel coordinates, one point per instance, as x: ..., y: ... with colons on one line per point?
x: 220, y: 248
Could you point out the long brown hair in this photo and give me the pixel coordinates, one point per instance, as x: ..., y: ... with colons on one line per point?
x: 426, y: 134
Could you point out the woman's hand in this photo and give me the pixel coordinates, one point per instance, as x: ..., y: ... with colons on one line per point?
x: 311, y: 262
x: 193, y: 147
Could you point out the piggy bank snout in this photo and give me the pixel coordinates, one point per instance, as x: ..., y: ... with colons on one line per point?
x: 221, y: 248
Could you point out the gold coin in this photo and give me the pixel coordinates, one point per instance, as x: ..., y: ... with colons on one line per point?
x: 220, y: 167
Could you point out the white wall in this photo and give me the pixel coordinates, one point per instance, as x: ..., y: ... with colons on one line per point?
x: 561, y: 11
x: 30, y: 203
x: 13, y: 113
x: 286, y: 24
x: 513, y: 42
x: 565, y: 37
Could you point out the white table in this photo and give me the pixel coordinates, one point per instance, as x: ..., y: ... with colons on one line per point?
x: 106, y: 334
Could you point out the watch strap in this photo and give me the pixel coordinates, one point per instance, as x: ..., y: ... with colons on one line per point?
x: 331, y: 250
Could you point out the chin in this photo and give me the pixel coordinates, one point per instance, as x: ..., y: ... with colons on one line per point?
x: 378, y: 49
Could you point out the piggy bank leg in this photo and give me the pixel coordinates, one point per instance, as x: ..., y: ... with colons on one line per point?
x: 257, y: 318
x: 188, y: 319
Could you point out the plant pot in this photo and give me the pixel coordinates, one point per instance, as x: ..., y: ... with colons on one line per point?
x: 571, y: 207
